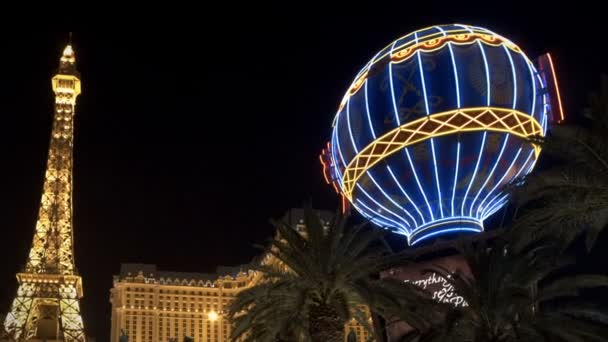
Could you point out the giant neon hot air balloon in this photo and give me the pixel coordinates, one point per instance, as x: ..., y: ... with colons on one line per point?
x: 435, y: 126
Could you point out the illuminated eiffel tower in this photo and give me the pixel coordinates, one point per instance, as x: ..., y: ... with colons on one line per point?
x: 46, y: 307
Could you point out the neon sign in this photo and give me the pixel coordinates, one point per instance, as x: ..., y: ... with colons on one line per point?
x: 434, y: 127
x: 442, y: 291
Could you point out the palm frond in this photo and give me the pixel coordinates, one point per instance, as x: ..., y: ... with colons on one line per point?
x: 509, y: 298
x: 322, y: 266
x: 569, y: 198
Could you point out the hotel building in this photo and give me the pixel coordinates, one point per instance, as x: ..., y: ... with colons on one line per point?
x: 151, y: 305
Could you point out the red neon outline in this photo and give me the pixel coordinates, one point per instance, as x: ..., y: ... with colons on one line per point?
x: 559, y: 97
x: 335, y: 187
x: 324, y: 168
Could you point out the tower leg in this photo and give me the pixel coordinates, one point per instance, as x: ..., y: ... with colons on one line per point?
x: 71, y: 319
x: 20, y: 322
x: 35, y: 307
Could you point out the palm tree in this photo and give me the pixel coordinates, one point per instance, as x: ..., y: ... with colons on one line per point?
x: 316, y: 281
x: 571, y: 197
x: 516, y: 298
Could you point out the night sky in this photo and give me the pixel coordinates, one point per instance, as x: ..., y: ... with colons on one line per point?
x: 190, y: 137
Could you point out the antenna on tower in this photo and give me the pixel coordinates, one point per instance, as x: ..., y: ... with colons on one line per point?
x: 70, y: 38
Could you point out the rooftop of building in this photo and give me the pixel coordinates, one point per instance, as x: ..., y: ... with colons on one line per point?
x: 293, y: 217
x: 151, y: 271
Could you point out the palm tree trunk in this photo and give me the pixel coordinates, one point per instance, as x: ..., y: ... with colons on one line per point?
x: 378, y: 324
x: 326, y: 325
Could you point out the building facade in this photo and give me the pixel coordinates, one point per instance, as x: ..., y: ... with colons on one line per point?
x: 150, y: 305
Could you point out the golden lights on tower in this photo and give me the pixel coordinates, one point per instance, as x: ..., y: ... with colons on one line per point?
x: 47, y: 303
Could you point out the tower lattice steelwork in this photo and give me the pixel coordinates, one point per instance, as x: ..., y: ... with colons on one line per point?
x: 47, y: 306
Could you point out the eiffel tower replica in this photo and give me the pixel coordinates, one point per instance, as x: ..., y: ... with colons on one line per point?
x: 47, y: 304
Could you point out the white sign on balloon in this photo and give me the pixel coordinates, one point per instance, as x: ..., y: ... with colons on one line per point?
x: 442, y: 290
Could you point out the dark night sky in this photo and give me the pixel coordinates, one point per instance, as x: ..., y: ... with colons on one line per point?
x: 188, y: 139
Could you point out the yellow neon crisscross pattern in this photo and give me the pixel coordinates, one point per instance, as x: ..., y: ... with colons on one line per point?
x: 454, y: 121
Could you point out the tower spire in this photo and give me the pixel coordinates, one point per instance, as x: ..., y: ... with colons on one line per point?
x: 67, y: 62
x: 47, y: 302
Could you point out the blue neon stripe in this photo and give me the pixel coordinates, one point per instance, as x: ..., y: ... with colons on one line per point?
x: 545, y: 116
x: 456, y: 174
x: 546, y: 108
x: 390, y: 78
x: 441, y: 30
x: 499, y: 182
x: 426, y: 106
x: 455, y: 74
x: 491, y: 202
x: 490, y: 205
x: 409, y: 158
x: 496, y: 200
x: 524, y: 164
x: 426, y: 102
x: 369, y: 118
x: 447, y: 219
x: 436, y: 224
x: 514, y: 76
x: 487, y: 68
x: 545, y: 105
x: 449, y: 230
x: 398, y: 232
x: 466, y: 27
x: 491, y: 33
x: 342, y: 160
x: 482, y: 29
x: 390, y: 199
x: 455, y: 71
x: 375, y: 220
x: 395, y: 224
x: 496, y: 207
x: 483, y: 54
x: 368, y: 173
x: 437, y: 178
x: 502, y: 150
x: 464, y: 199
x: 350, y: 131
x: 531, y: 166
x: 341, y: 157
x: 405, y: 193
x: 396, y: 112
x: 532, y: 110
x: 388, y: 168
x: 370, y: 210
x: 383, y: 207
x: 458, y: 106
x: 334, y: 155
